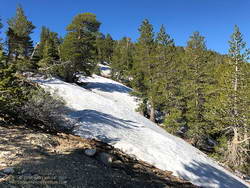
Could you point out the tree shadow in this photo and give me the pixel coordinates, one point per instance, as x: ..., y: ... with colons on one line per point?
x: 89, y: 121
x: 77, y: 170
x: 95, y: 117
x: 102, y: 68
x: 108, y: 87
x: 16, y: 140
x: 207, y: 173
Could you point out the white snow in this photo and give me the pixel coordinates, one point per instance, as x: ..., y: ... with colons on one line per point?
x: 104, y: 110
x: 105, y: 70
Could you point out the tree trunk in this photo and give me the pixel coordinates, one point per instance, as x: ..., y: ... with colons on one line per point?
x: 233, y: 147
x: 152, y: 112
x: 69, y: 76
x: 235, y: 89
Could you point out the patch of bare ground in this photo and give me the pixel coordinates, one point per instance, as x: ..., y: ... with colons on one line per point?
x: 30, y: 158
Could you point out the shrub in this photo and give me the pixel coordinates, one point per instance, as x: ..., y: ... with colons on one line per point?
x: 45, y: 111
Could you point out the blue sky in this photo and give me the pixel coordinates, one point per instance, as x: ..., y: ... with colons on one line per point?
x: 213, y: 18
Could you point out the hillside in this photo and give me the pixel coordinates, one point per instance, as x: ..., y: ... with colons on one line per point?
x: 30, y: 158
x: 105, y: 111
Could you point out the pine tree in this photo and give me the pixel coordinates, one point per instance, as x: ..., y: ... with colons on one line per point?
x: 144, y: 67
x: 44, y: 35
x: 165, y: 52
x: 196, y: 83
x: 11, y: 91
x: 79, y: 45
x: 233, y: 111
x: 105, y: 47
x: 48, y: 48
x: 100, y: 40
x: 165, y: 77
x: 170, y: 74
x: 122, y: 60
x: 20, y: 44
x: 109, y: 47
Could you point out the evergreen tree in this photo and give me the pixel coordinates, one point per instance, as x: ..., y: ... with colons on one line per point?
x: 165, y: 52
x: 79, y: 45
x: 105, y: 46
x: 48, y: 48
x: 100, y: 40
x: 165, y: 74
x: 196, y: 83
x: 44, y: 35
x: 232, y: 112
x: 144, y: 67
x: 20, y: 44
x: 109, y: 47
x: 122, y: 60
x: 12, y: 92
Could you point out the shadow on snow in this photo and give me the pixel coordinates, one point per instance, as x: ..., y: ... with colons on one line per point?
x: 108, y: 87
x: 210, y: 174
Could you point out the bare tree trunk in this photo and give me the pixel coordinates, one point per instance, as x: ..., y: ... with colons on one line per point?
x: 235, y: 89
x: 152, y: 112
x: 34, y: 51
x: 233, y: 148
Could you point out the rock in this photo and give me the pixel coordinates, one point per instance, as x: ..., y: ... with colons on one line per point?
x: 106, y: 158
x: 9, y: 171
x: 117, y: 163
x: 90, y: 152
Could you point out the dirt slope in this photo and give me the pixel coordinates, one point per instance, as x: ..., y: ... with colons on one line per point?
x: 30, y: 158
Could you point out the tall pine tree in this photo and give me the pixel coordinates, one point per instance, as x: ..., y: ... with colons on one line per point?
x: 144, y: 67
x: 197, y: 81
x: 234, y: 103
x: 20, y: 44
x: 79, y: 45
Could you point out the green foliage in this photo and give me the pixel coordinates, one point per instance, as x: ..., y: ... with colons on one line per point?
x: 79, y: 47
x: 105, y: 47
x: 12, y: 92
x: 83, y: 24
x: 173, y: 121
x: 198, y: 79
x: 44, y: 111
x: 122, y: 60
x: 48, y: 48
x: 144, y: 61
x: 20, y: 44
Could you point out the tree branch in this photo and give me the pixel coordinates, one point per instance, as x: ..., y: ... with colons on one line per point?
x: 239, y: 142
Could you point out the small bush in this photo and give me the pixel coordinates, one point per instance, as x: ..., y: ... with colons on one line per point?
x: 45, y: 111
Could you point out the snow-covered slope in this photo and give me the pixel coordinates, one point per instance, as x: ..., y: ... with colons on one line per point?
x: 104, y: 110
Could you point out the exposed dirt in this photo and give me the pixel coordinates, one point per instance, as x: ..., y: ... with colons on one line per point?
x: 37, y: 159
